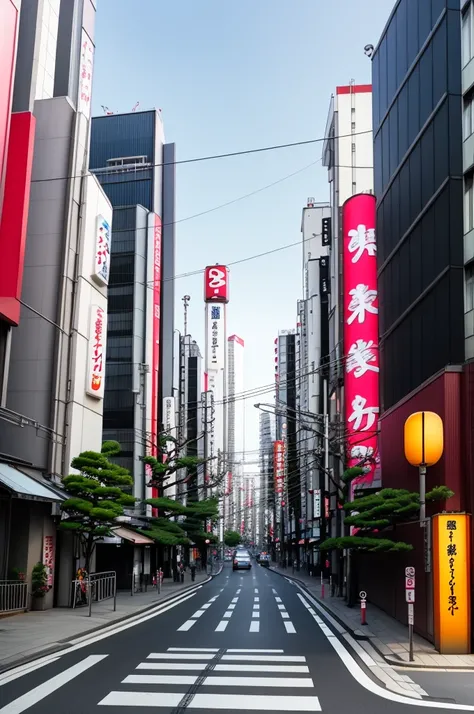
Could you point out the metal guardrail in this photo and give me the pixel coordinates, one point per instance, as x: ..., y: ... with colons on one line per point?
x: 96, y: 588
x: 13, y: 596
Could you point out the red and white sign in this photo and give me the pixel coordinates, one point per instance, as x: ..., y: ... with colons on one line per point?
x: 361, y: 323
x: 85, y: 80
x: 216, y: 283
x: 279, y: 475
x: 155, y: 372
x: 410, y: 584
x: 9, y: 14
x: 48, y: 558
x: 102, y: 252
x: 96, y: 364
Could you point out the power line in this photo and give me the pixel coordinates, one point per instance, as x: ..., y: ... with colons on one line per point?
x: 209, y: 157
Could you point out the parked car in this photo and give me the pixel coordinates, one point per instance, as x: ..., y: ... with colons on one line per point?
x: 241, y: 561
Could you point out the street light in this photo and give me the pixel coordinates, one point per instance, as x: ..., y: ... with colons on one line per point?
x: 423, y: 441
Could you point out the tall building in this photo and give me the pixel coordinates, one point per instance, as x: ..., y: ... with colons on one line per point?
x: 136, y: 169
x: 189, y: 414
x: 267, y: 489
x: 418, y: 169
x: 52, y: 334
x: 235, y: 425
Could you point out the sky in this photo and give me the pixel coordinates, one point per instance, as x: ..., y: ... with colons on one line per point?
x: 231, y: 76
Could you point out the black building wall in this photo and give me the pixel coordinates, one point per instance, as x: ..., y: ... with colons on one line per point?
x: 417, y: 124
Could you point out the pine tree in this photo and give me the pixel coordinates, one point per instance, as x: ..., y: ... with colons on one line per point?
x: 232, y: 538
x: 97, y: 496
x: 375, y: 513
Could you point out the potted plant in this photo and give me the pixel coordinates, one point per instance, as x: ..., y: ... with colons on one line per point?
x: 39, y: 585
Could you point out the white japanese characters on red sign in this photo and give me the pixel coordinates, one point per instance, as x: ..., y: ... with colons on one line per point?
x: 85, y: 77
x: 361, y: 333
x: 216, y: 284
x: 96, y: 362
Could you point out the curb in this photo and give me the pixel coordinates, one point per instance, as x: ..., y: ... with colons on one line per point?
x: 391, y: 659
x: 63, y: 645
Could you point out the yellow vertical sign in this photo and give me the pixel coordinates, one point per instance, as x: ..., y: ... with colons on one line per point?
x: 451, y: 583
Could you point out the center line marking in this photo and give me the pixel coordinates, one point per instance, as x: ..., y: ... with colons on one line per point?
x: 278, y: 599
x: 254, y: 626
x: 235, y: 599
x: 256, y: 599
x: 186, y: 625
x: 256, y: 591
x: 222, y: 625
x: 290, y: 628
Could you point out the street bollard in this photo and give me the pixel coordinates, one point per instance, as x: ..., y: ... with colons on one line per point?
x: 363, y: 607
x: 322, y: 585
x: 160, y: 580
x: 330, y: 586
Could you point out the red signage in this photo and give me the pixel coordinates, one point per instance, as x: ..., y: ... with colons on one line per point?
x: 279, y: 465
x: 8, y: 22
x: 216, y: 283
x: 155, y: 371
x: 361, y: 326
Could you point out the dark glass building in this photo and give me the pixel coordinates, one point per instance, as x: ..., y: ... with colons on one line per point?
x: 417, y: 126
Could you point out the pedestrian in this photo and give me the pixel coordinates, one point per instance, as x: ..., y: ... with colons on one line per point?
x: 181, y: 572
x: 193, y: 571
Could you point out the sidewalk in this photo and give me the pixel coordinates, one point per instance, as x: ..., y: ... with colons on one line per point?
x: 25, y: 636
x: 386, y: 635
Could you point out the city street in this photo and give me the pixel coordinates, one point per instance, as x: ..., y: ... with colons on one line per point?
x: 247, y: 641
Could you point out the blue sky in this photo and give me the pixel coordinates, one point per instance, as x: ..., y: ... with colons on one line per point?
x: 231, y: 76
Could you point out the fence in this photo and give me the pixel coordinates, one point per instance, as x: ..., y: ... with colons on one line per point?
x: 13, y: 596
x: 96, y: 588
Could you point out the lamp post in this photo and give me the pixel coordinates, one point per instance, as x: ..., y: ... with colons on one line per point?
x: 423, y: 441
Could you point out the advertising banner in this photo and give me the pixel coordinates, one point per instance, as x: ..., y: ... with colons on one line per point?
x: 279, y: 475
x: 85, y: 77
x: 96, y: 360
x: 102, y: 252
x: 155, y: 371
x: 361, y: 350
x: 216, y: 284
x: 216, y: 338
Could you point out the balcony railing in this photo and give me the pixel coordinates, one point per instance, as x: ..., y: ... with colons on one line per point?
x: 13, y: 596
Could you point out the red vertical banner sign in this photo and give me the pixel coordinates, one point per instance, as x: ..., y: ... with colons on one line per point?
x: 9, y: 12
x: 361, y: 332
x: 279, y: 475
x: 155, y: 372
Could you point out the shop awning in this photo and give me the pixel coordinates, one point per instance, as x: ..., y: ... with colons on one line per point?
x: 137, y: 538
x: 23, y: 486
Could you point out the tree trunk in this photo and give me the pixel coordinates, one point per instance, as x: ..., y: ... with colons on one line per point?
x: 88, y: 551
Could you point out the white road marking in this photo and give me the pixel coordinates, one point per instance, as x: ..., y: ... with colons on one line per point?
x: 186, y: 625
x: 274, y: 591
x: 256, y: 599
x: 237, y: 592
x: 227, y: 614
x: 305, y: 602
x: 285, y: 616
x: 260, y: 658
x: 159, y: 679
x: 206, y: 606
x: 231, y: 607
x: 243, y: 702
x: 255, y: 613
x: 290, y: 628
x: 255, y: 651
x: 178, y: 655
x: 214, y: 598
x: 303, y: 682
x: 169, y: 666
x: 256, y: 591
x: 263, y: 668
x: 194, y: 649
x: 221, y: 626
x: 256, y: 607
x: 198, y: 613
x: 8, y: 677
x: 281, y: 607
x: 278, y: 599
x: 50, y: 685
x: 235, y: 599
x: 254, y: 626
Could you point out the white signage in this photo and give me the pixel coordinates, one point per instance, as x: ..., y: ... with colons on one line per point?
x: 410, y: 595
x: 411, y: 614
x: 102, y: 252
x: 216, y: 337
x: 169, y: 415
x: 409, y: 572
x: 317, y: 503
x: 85, y: 76
x: 96, y: 359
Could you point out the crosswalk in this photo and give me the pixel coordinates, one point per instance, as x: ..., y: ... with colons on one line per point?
x: 214, y: 605
x: 198, y: 677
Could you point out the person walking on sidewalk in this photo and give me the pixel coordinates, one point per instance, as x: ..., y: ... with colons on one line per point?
x: 193, y: 571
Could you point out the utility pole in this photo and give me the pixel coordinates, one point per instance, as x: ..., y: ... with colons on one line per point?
x: 186, y: 300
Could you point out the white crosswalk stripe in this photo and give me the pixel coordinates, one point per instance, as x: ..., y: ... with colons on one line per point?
x: 204, y: 671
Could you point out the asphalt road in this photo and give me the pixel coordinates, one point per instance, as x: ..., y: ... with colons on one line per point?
x: 247, y: 641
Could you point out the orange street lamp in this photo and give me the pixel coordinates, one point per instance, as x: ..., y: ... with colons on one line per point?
x: 423, y: 440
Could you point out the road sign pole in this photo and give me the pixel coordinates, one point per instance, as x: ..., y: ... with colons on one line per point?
x: 410, y: 598
x: 363, y: 607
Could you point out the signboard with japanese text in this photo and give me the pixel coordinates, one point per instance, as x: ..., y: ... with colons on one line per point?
x: 451, y: 563
x: 361, y: 350
x: 102, y: 252
x: 48, y: 559
x: 279, y: 475
x: 216, y: 338
x: 155, y: 367
x: 216, y: 283
x: 85, y: 75
x: 96, y: 359
x: 317, y: 503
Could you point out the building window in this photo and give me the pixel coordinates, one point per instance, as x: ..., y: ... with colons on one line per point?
x: 469, y: 271
x: 468, y: 203
x: 467, y: 35
x: 468, y: 115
